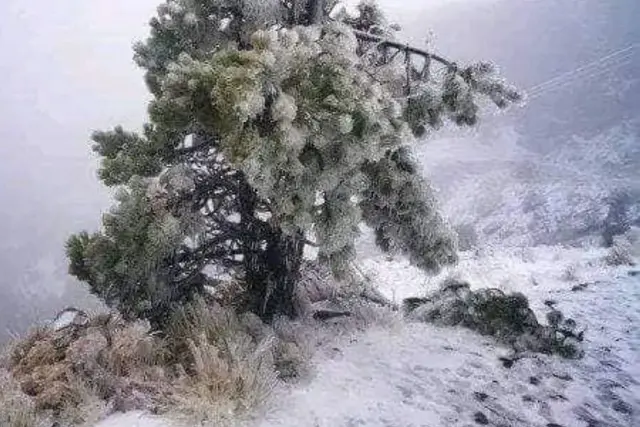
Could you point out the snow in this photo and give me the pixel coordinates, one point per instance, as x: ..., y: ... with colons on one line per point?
x: 422, y: 375
x: 67, y: 318
x: 133, y: 419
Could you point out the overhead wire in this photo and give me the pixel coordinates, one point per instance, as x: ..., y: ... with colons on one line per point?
x: 585, y: 76
x: 589, y: 70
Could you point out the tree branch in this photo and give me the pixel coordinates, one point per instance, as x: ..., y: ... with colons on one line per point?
x: 363, y: 35
x: 310, y: 243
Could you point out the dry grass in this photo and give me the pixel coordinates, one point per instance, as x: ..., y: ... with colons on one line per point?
x: 16, y: 409
x: 227, y: 362
x: 78, y: 374
x: 210, y: 366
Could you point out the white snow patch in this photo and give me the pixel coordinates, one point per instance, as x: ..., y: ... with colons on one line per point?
x: 134, y: 419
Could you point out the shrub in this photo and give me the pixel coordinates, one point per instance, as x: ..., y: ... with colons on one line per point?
x: 16, y: 409
x: 224, y: 369
x: 76, y: 373
x: 508, y: 318
x: 620, y: 252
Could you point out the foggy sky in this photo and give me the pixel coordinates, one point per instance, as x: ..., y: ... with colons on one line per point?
x: 66, y: 70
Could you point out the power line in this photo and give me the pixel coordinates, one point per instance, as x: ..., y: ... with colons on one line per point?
x: 594, y: 73
x: 585, y: 67
x: 608, y: 60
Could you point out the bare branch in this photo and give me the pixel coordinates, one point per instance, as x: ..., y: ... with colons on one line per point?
x: 310, y: 243
x: 362, y: 35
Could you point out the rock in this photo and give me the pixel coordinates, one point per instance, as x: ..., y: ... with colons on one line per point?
x: 550, y: 303
x: 569, y: 324
x: 480, y: 396
x: 554, y: 317
x: 554, y: 425
x: 558, y: 397
x: 633, y: 273
x: 563, y: 377
x: 569, y: 348
x: 534, y: 380
x: 373, y: 295
x: 480, y: 418
x: 507, y: 362
x: 410, y: 304
x: 453, y: 285
x: 70, y: 317
x: 622, y: 407
x: 580, y: 287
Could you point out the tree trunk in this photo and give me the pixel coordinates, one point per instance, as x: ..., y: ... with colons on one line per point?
x: 272, y: 284
x: 272, y: 261
x: 315, y: 12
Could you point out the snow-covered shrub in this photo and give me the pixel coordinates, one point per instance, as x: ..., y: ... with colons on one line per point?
x: 570, y: 273
x: 506, y: 317
x: 80, y: 372
x: 225, y: 369
x: 633, y: 237
x: 620, y: 253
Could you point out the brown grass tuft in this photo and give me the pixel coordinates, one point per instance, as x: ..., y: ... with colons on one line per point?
x: 16, y: 409
x: 227, y: 365
x: 210, y: 365
x: 77, y: 373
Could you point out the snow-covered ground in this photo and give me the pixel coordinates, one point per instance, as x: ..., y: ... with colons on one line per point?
x: 422, y: 375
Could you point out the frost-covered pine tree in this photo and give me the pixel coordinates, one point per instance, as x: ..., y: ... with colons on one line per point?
x: 273, y: 124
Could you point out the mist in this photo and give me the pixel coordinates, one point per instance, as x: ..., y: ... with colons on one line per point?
x: 67, y: 69
x: 523, y: 177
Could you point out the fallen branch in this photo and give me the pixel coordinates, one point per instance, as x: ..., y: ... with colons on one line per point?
x: 330, y: 314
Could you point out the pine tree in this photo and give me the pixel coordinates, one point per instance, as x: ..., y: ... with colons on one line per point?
x: 273, y: 124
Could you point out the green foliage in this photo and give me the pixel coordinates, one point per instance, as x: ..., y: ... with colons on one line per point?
x: 291, y: 129
x: 507, y: 317
x: 131, y: 263
x: 124, y: 155
x: 399, y: 205
x: 298, y: 118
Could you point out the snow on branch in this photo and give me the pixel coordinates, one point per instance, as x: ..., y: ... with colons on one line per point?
x: 364, y: 36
